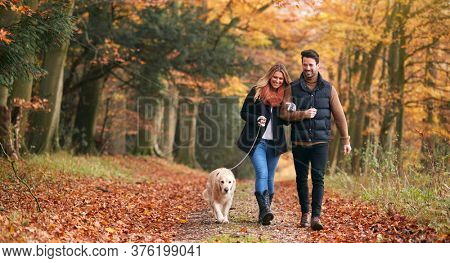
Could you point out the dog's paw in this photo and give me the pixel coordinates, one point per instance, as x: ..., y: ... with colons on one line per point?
x: 220, y: 220
x: 225, y: 220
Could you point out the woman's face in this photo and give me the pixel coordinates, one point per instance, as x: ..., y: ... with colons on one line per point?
x: 277, y: 80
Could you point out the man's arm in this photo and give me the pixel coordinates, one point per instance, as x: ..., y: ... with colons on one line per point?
x: 339, y: 117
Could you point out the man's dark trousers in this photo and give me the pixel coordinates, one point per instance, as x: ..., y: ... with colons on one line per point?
x: 317, y: 155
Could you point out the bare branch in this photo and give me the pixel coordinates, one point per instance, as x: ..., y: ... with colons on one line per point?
x: 15, y: 170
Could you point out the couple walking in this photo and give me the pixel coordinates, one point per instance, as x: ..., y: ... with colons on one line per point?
x: 307, y: 104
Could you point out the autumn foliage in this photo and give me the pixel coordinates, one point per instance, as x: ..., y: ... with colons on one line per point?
x: 165, y: 79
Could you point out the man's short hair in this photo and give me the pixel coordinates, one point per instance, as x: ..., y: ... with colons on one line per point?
x: 310, y: 53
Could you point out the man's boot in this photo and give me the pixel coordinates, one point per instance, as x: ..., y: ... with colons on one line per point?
x: 304, y: 222
x: 264, y: 212
x: 316, y: 224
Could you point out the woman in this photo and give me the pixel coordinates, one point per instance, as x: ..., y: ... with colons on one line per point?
x: 265, y: 130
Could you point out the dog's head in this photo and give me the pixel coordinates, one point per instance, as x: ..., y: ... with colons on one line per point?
x: 225, y: 181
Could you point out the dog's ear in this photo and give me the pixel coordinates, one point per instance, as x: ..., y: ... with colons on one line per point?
x: 216, y: 182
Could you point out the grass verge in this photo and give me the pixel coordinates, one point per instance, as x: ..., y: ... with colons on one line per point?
x: 417, y: 196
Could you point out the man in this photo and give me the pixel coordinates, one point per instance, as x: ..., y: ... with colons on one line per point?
x: 315, y: 100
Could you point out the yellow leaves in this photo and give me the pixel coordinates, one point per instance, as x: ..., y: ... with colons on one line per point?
x: 4, y: 36
x: 257, y: 39
x: 234, y: 87
x: 110, y: 230
x: 135, y: 18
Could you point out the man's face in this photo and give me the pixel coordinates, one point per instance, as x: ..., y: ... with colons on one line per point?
x: 310, y: 67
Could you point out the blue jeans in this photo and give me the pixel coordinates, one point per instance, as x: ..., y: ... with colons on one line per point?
x: 264, y: 161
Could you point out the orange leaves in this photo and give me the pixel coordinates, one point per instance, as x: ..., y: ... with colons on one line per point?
x: 34, y: 104
x: 77, y: 210
x: 348, y: 220
x: 23, y: 9
x: 16, y: 6
x: 156, y: 203
x: 4, y: 36
x: 111, y: 53
x: 243, y: 229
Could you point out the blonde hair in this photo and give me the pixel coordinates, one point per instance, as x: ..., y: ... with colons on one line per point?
x: 265, y: 80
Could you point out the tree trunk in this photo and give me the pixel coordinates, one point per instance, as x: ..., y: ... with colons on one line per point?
x: 391, y: 109
x: 186, y: 135
x: 401, y: 84
x: 354, y: 100
x: 115, y: 114
x: 170, y: 122
x: 99, y: 27
x: 155, y: 150
x: 7, y: 18
x: 335, y: 144
x: 22, y: 89
x: 5, y: 121
x: 334, y: 151
x: 85, y: 122
x: 364, y: 89
x: 44, y: 124
x: 151, y: 134
x: 429, y: 140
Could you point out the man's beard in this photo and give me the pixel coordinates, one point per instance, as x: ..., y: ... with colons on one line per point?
x: 309, y: 74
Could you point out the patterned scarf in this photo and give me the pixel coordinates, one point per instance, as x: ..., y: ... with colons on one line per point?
x: 272, y: 97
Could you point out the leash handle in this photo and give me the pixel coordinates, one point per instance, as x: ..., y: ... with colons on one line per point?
x: 251, y: 148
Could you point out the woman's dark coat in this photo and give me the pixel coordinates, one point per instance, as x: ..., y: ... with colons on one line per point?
x: 250, y: 112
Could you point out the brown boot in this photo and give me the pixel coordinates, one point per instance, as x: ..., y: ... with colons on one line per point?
x: 315, y: 223
x: 304, y: 222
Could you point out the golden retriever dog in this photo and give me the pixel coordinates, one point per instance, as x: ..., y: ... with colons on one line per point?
x: 219, y: 193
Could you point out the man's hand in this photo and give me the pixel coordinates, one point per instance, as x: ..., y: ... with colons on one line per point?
x: 310, y: 113
x: 262, y: 121
x: 347, y: 149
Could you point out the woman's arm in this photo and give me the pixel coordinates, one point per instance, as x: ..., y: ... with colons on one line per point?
x: 249, y: 108
x: 283, y: 122
x: 290, y: 116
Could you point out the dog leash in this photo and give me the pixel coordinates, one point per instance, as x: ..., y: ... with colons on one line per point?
x: 251, y: 148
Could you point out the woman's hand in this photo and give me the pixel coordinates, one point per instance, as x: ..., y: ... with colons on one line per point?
x: 291, y: 106
x: 262, y: 121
